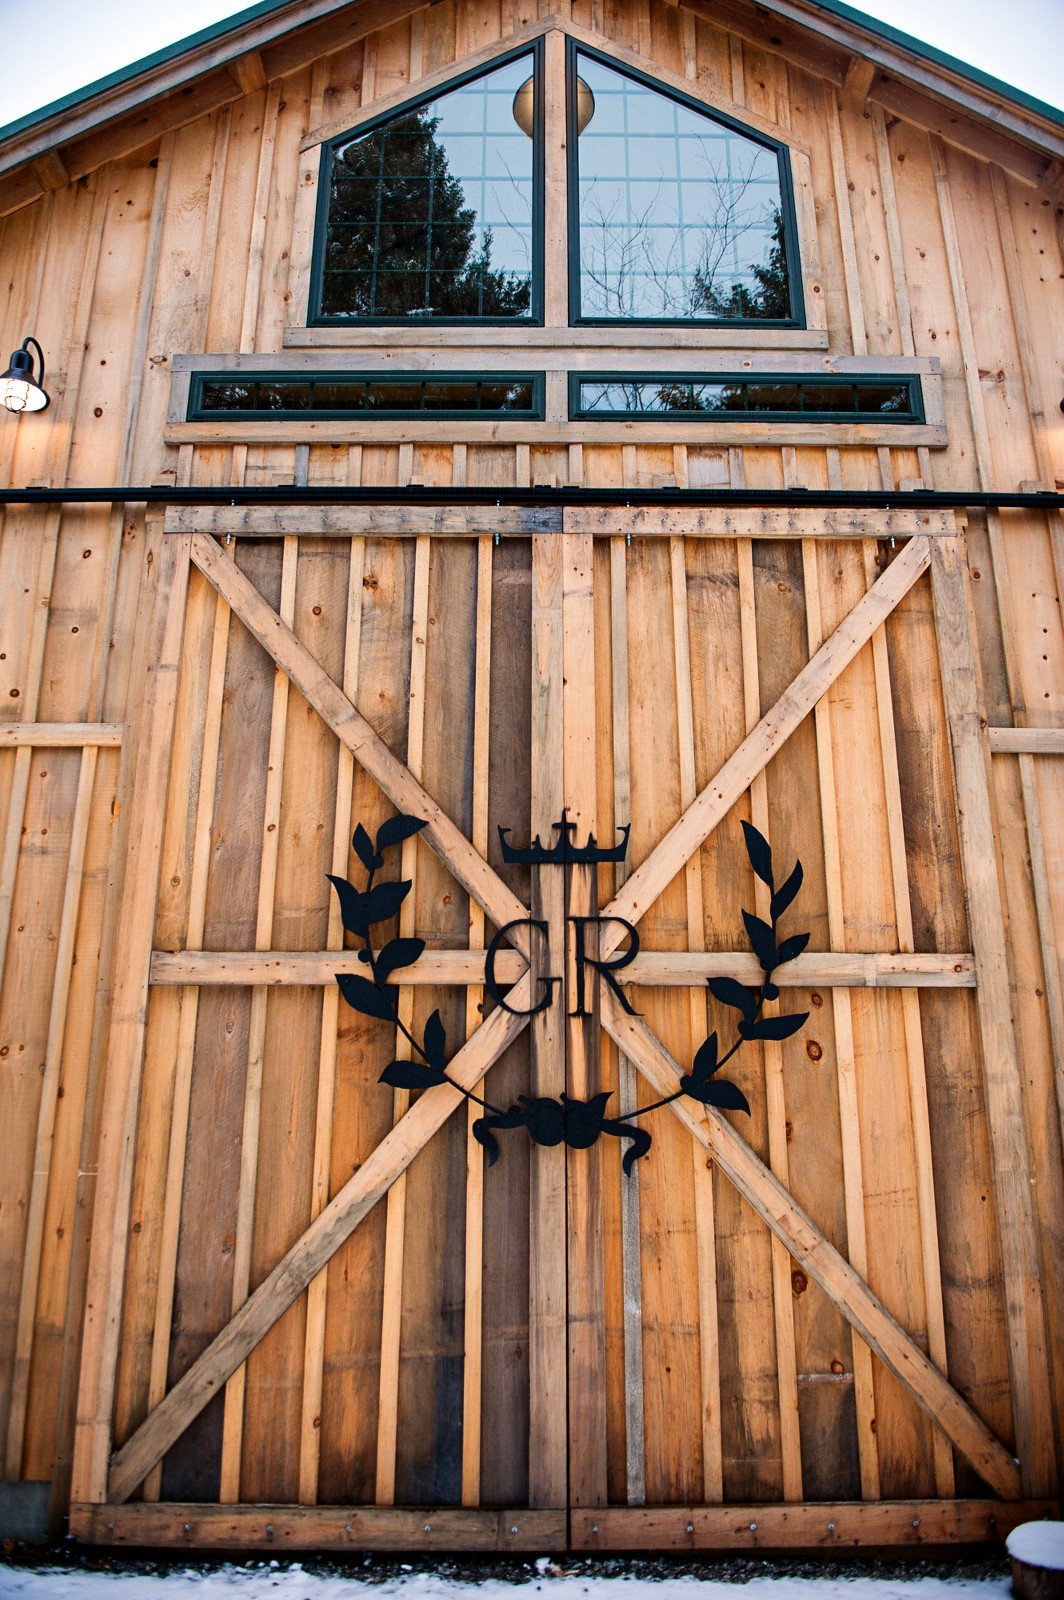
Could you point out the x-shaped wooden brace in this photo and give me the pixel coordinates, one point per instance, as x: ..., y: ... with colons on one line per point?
x: 733, y: 1156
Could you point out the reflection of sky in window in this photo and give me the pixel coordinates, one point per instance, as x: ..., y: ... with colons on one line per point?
x: 666, y: 193
x: 492, y: 159
x: 696, y: 396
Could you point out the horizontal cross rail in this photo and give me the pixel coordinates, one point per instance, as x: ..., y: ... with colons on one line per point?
x: 651, y: 968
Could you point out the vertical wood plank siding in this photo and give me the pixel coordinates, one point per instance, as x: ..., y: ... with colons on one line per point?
x: 165, y: 1146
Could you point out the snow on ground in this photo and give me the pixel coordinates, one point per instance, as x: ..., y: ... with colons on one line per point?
x: 271, y: 1581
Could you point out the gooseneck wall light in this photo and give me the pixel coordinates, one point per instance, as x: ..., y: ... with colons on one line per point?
x: 20, y: 389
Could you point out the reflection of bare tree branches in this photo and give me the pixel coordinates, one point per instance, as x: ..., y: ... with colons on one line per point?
x: 642, y: 264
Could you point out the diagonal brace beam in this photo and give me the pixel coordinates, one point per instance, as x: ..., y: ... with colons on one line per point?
x: 757, y: 749
x: 351, y: 728
x: 293, y: 1273
x: 803, y: 1239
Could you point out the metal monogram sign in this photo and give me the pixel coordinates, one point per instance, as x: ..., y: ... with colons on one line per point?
x: 577, y: 1123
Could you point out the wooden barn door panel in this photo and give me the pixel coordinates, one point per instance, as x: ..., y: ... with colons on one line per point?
x: 667, y: 1347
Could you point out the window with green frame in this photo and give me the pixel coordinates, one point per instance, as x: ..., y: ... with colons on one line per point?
x: 676, y: 214
x: 433, y: 213
x: 339, y: 396
x: 722, y: 397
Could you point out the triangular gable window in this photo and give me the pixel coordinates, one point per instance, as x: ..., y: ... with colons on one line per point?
x: 433, y: 212
x: 679, y: 216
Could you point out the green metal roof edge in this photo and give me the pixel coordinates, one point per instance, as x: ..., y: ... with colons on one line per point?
x: 218, y: 30
x: 158, y: 58
x: 941, y: 58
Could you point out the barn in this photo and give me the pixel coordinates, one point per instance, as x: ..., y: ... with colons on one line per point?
x: 491, y: 486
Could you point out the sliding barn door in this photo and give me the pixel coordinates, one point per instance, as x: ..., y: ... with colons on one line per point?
x: 317, y: 1316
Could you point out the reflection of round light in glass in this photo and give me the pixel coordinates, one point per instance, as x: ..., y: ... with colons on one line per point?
x: 524, y: 106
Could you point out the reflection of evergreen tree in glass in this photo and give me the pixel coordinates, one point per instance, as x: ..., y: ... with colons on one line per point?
x: 401, y: 240
x: 772, y: 297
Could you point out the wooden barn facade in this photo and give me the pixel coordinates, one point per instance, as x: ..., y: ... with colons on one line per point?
x: 594, y: 444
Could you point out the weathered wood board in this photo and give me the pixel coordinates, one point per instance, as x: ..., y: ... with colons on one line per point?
x: 312, y: 1306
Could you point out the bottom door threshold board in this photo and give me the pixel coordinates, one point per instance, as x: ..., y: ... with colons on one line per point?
x: 809, y: 1526
x: 838, y: 1525
x: 285, y: 1527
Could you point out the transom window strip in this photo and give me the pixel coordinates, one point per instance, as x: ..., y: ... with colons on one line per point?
x: 431, y: 214
x: 680, y: 216
x: 695, y: 396
x: 340, y: 395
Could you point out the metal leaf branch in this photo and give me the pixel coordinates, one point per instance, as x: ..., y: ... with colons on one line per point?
x: 576, y: 1123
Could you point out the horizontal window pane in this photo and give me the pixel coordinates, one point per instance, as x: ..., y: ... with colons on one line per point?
x: 827, y: 397
x: 695, y: 395
x: 450, y: 397
x: 506, y: 396
x: 216, y: 396
x: 273, y: 396
x: 356, y: 394
x: 883, y: 399
x: 395, y: 396
x: 339, y: 396
x: 772, y: 397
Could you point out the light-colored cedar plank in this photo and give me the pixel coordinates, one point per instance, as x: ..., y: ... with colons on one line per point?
x: 547, y: 1330
x: 297, y: 311
x: 893, y: 223
x: 945, y: 1482
x: 651, y: 968
x: 816, y: 309
x: 586, y: 1290
x: 555, y: 205
x: 1028, y: 1360
x: 775, y: 1105
x: 186, y: 1038
x: 1017, y: 301
x: 631, y: 1262
x: 211, y: 226
x: 843, y: 1526
x: 85, y: 249
x: 312, y: 1250
x: 1028, y: 1363
x: 388, y: 1399
x: 850, y: 268
x: 321, y: 1527
x: 470, y: 869
x: 318, y: 968
x: 314, y: 1339
x: 845, y: 1058
x: 1026, y: 741
x: 705, y: 1224
x: 59, y: 735
x: 20, y: 779
x: 820, y: 1259
x: 738, y: 83
x: 46, y: 1116
x: 472, y: 1373
x: 233, y: 1427
x: 1046, y: 925
x: 145, y: 306
x: 263, y: 188
x: 121, y: 1091
x: 753, y: 755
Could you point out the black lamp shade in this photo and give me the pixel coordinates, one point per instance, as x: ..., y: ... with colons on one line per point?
x: 20, y: 389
